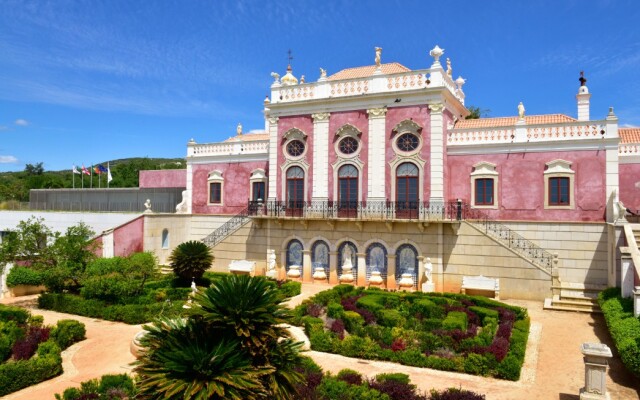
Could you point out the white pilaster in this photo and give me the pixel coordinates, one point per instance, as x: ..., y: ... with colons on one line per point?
x: 273, y: 158
x: 189, y: 187
x: 437, y: 153
x: 320, y: 190
x: 611, y: 165
x: 375, y: 164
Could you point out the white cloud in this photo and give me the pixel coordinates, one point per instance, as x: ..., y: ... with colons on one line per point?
x: 3, y: 128
x: 21, y: 122
x: 8, y: 160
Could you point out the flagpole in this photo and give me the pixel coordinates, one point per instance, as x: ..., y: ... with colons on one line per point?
x: 108, y: 173
x: 91, y: 172
x: 73, y: 176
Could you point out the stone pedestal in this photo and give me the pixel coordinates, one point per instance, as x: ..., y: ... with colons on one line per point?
x: 428, y: 287
x: 347, y: 274
x: 294, y: 272
x: 405, y: 282
x: 319, y: 275
x: 375, y: 279
x: 596, y: 357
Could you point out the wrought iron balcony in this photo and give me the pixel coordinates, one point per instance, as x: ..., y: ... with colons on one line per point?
x: 358, y: 210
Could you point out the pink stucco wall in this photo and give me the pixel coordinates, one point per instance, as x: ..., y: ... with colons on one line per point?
x: 164, y: 178
x: 359, y: 120
x: 420, y: 115
x: 521, y: 184
x: 128, y: 238
x: 629, y: 175
x: 235, y: 189
x: 97, y: 250
x: 305, y: 124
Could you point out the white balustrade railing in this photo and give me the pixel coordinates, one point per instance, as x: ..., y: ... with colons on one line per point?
x: 349, y: 87
x: 629, y: 149
x: 228, y: 148
x: 527, y: 133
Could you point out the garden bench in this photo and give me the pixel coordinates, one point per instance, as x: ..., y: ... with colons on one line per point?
x: 242, y: 267
x: 481, y: 284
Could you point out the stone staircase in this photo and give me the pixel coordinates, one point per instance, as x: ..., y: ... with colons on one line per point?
x: 579, y: 297
x: 225, y: 230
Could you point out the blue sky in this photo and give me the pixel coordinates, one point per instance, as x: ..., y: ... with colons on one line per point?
x: 90, y: 81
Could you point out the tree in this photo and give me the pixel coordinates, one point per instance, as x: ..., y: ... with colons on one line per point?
x: 476, y: 112
x: 190, y: 259
x: 28, y: 243
x: 231, y: 346
x: 34, y: 169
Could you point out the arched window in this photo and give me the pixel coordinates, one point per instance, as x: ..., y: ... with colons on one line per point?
x: 348, y: 250
x: 377, y: 260
x: 347, y: 191
x: 407, y: 262
x: 165, y: 239
x: 295, y: 190
x: 407, y: 190
x: 320, y: 256
x: 294, y: 254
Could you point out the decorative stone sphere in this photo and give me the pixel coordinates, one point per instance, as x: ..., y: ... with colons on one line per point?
x: 294, y: 271
x: 319, y: 274
x: 375, y: 279
x: 406, y: 281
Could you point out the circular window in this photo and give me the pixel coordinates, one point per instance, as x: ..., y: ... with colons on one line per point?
x: 348, y: 145
x: 295, y: 148
x: 407, y: 142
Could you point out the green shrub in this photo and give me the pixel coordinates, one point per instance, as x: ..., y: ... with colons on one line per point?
x: 290, y: 289
x: 68, y: 332
x: 352, y: 321
x: 310, y: 323
x: 395, y: 377
x: 334, y: 310
x: 12, y: 313
x: 23, y: 276
x: 343, y: 289
x: 322, y: 341
x: 372, y: 302
x: 190, y: 259
x: 36, y: 320
x: 483, y: 312
x: 355, y: 346
x: 10, y: 332
x: 112, y: 287
x: 478, y: 364
x: 20, y: 374
x: 389, y: 317
x: 333, y: 388
x: 107, y: 387
x: 427, y: 308
x: 509, y: 368
x: 623, y: 327
x: 455, y: 320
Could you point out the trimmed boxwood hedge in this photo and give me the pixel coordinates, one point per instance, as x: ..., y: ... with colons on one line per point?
x: 23, y: 276
x: 623, y: 327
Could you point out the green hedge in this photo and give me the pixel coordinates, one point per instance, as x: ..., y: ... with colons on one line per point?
x: 455, y: 320
x: 23, y: 276
x: 21, y: 374
x: 107, y: 387
x: 12, y: 313
x: 68, y: 332
x: 623, y: 327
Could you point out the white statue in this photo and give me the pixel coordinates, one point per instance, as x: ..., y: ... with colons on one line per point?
x: 449, y: 69
x: 182, y: 207
x: 521, y: 110
x: 271, y: 264
x: 194, y: 289
x: 428, y: 269
x: 323, y: 73
x: 239, y: 129
x: 147, y: 206
x: 378, y: 56
x: 302, y: 79
x: 346, y: 258
x: 276, y: 77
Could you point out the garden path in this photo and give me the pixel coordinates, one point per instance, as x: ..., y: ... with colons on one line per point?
x: 553, y: 367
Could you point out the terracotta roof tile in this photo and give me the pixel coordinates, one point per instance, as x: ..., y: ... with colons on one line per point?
x: 511, y: 121
x: 629, y: 135
x: 249, y: 137
x: 367, y: 71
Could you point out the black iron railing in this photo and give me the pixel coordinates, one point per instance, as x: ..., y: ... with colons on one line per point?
x: 229, y: 227
x: 358, y: 210
x: 507, y: 236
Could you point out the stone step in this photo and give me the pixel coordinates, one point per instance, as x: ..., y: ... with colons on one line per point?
x: 561, y: 305
x: 580, y: 299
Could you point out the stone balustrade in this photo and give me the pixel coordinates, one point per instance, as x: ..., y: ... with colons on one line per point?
x: 227, y: 148
x: 629, y: 149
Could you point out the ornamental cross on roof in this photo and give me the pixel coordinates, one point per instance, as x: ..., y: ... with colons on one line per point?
x: 582, y: 79
x: 289, y: 56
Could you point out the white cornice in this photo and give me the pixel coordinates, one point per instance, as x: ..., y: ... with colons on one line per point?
x: 227, y: 158
x: 534, y: 147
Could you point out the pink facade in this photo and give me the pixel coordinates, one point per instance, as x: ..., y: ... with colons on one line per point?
x: 521, y: 184
x: 419, y: 115
x: 629, y: 175
x: 236, y: 187
x: 163, y: 178
x: 305, y: 124
x: 360, y: 121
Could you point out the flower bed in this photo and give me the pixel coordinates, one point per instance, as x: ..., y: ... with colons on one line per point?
x: 30, y: 352
x: 449, y: 332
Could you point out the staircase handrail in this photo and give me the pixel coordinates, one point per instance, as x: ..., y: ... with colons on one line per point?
x: 228, y: 227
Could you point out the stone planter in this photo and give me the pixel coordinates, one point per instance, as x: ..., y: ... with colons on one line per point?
x: 347, y: 276
x: 375, y: 279
x: 294, y: 272
x: 319, y: 274
x: 405, y: 282
x: 25, y: 290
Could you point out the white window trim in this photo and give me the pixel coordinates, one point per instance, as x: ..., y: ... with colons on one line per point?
x: 257, y: 175
x: 347, y: 130
x: 305, y: 168
x: 291, y: 135
x: 401, y: 159
x: 215, y: 177
x: 559, y: 169
x: 162, y: 239
x: 484, y: 170
x: 356, y: 162
x: 407, y: 126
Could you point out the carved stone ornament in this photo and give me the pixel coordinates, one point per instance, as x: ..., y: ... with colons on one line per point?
x: 294, y: 133
x: 377, y: 112
x: 436, y: 53
x: 273, y: 120
x: 276, y: 77
x: 320, y: 117
x: 348, y: 130
x: 407, y: 125
x: 436, y: 107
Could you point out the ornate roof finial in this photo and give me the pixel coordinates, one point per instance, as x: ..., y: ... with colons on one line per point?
x: 323, y: 73
x: 289, y: 58
x: 582, y: 79
x: 449, y: 69
x: 436, y: 53
x: 378, y: 56
x: 239, y: 129
x: 302, y: 79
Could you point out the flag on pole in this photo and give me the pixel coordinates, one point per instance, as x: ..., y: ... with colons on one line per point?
x: 75, y: 170
x: 97, y: 170
x: 102, y: 169
x: 85, y: 170
x: 109, y: 177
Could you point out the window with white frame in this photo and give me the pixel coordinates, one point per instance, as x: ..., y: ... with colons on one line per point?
x: 559, y: 185
x: 484, y: 185
x: 258, y: 185
x: 216, y: 186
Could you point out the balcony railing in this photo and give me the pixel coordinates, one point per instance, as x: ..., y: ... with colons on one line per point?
x: 358, y: 210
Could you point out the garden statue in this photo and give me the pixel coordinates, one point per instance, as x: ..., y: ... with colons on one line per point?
x: 239, y: 129
x: 378, y: 56
x: 147, y: 206
x: 521, y: 110
x: 271, y: 263
x: 323, y: 73
x: 347, y: 265
x: 428, y: 269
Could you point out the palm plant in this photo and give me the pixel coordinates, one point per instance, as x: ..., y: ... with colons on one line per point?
x: 185, y: 359
x: 190, y: 259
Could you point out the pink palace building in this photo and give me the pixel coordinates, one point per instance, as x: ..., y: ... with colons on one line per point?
x: 373, y: 176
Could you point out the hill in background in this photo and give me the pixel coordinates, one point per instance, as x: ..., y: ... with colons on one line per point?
x: 15, y: 186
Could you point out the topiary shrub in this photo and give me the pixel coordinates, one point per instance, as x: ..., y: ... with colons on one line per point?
x: 12, y: 313
x: 107, y: 387
x: 389, y: 317
x: 68, y: 332
x: 455, y: 394
x: 23, y: 276
x: 191, y: 259
x: 350, y: 376
x: 352, y: 321
x: 334, y: 310
x: 455, y: 320
x: 372, y: 302
x: 397, y: 377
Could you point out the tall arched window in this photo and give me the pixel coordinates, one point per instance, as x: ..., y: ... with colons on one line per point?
x: 295, y: 190
x: 320, y: 256
x: 294, y: 254
x: 348, y: 250
x: 377, y: 260
x: 407, y: 190
x: 407, y: 262
x: 347, y: 191
x: 165, y: 239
